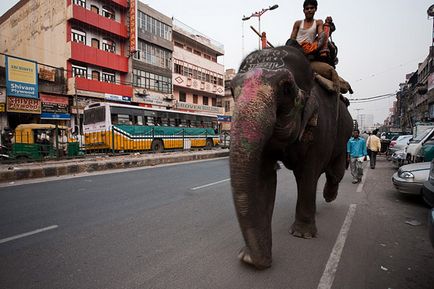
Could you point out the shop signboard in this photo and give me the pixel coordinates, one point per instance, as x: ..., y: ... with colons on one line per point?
x: 2, y: 99
x: 54, y: 107
x: 21, y: 78
x: 23, y: 105
x: 224, y: 118
x: 115, y: 97
x: 133, y: 26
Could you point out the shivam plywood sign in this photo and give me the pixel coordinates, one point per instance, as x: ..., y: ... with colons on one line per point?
x: 21, y: 78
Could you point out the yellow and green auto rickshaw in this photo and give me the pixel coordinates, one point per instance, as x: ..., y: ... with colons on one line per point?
x: 39, y: 141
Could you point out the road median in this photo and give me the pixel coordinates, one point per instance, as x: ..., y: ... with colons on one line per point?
x: 15, y: 172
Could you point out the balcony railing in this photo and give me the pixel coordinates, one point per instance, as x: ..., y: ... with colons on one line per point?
x: 98, y: 57
x: 98, y: 21
x: 81, y: 83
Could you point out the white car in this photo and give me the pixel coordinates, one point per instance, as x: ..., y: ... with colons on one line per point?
x: 415, y: 145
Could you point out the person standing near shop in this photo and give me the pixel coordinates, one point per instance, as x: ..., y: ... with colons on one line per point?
x: 356, y: 154
x: 374, y: 146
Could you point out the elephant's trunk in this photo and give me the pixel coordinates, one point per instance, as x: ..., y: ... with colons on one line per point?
x: 253, y: 177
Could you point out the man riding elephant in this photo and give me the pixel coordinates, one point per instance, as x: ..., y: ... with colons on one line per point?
x: 282, y: 114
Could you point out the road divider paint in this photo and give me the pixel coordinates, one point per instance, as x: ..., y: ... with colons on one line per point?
x: 28, y: 234
x: 329, y: 273
x: 208, y: 185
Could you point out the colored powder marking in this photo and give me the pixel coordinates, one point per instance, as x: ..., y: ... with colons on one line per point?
x: 253, y: 107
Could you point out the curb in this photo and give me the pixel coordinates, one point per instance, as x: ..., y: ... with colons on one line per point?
x: 95, y: 165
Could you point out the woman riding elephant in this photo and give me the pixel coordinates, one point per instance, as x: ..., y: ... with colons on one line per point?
x: 281, y: 113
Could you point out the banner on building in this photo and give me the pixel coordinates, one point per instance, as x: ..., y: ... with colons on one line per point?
x: 21, y: 78
x: 54, y: 107
x: 23, y: 105
x: 133, y: 26
x: 47, y: 73
x: 2, y: 99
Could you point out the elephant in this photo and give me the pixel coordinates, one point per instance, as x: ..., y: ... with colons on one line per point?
x: 282, y: 114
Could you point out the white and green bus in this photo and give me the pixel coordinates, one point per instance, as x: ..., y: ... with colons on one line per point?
x: 120, y: 127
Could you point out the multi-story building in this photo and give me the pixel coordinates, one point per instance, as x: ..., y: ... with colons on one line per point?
x: 88, y: 38
x: 228, y: 101
x: 197, y: 76
x: 152, y: 62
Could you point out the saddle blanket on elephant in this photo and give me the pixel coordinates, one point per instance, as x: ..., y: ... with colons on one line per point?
x: 328, y: 78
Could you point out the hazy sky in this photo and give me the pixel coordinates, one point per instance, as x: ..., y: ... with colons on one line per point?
x: 379, y: 41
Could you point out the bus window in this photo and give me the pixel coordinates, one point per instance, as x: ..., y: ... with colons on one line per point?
x: 139, y: 120
x: 114, y: 118
x: 124, y: 119
x: 94, y: 115
x: 188, y: 123
x: 172, y: 122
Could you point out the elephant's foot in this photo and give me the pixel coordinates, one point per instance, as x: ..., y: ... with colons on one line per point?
x: 330, y: 192
x: 245, y: 256
x: 303, y: 230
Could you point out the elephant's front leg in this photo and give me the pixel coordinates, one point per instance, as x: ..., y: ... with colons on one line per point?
x: 255, y: 209
x: 304, y: 225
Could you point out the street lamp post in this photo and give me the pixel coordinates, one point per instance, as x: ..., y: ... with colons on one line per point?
x: 259, y: 14
x: 430, y: 13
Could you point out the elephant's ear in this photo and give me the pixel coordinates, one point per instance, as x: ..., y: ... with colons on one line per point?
x: 310, y: 113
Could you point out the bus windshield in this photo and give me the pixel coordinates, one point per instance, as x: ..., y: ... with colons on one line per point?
x: 94, y: 115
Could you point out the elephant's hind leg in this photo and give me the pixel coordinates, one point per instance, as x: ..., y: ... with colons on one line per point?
x: 255, y: 210
x: 334, y: 173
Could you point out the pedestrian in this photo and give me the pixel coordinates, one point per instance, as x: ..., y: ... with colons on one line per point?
x: 365, y: 135
x: 356, y: 154
x: 374, y: 146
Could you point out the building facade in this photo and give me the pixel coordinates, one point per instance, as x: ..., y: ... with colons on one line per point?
x: 152, y: 62
x: 198, y: 78
x: 87, y: 39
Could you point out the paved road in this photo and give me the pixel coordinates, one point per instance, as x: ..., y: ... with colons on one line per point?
x: 175, y: 227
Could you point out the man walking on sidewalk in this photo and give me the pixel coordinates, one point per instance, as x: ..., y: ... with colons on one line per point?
x: 374, y: 146
x: 356, y: 154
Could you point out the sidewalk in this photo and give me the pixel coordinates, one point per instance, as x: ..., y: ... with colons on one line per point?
x: 20, y: 171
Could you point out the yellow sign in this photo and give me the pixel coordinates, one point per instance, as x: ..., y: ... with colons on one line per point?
x: 2, y: 107
x: 21, y: 71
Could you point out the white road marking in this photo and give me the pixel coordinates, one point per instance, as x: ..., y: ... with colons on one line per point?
x: 329, y: 273
x: 211, y: 184
x: 28, y: 234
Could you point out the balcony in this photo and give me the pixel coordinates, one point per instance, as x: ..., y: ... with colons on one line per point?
x: 98, y: 57
x: 89, y: 17
x: 96, y: 86
x: 122, y: 3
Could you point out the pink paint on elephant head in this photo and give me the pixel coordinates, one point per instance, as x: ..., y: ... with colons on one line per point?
x: 253, y: 103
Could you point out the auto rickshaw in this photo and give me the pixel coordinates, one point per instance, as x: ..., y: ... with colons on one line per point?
x: 39, y: 141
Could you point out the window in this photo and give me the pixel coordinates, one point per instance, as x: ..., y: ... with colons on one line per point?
x: 182, y: 96
x: 154, y: 26
x: 109, y: 45
x: 227, y: 106
x: 197, y: 52
x: 152, y: 81
x: 214, y: 101
x: 78, y: 36
x: 95, y: 43
x: 95, y: 75
x: 108, y: 12
x: 108, y: 77
x: 81, y: 3
x: 195, y: 98
x: 94, y: 8
x: 205, y: 100
x: 155, y: 55
x: 79, y: 71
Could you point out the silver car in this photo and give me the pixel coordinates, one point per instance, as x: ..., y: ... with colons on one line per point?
x: 400, y: 143
x: 409, y: 179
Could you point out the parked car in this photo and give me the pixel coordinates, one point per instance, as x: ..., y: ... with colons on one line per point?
x: 399, y: 158
x: 399, y: 143
x: 386, y: 138
x: 427, y: 151
x: 409, y: 179
x: 415, y: 145
x: 428, y: 187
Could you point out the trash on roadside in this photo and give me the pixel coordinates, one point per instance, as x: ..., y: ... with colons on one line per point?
x: 383, y: 245
x: 384, y: 268
x: 413, y: 223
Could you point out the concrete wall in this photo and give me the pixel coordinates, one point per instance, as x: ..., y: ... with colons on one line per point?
x: 37, y: 31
